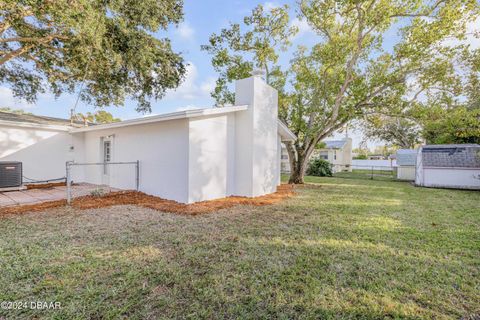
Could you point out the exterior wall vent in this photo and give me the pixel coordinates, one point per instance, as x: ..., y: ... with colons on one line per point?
x: 10, y: 174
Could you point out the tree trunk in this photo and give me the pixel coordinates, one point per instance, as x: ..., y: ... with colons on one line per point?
x: 297, y: 170
x: 299, y: 155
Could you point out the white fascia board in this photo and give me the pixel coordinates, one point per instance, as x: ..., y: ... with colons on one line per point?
x: 164, y: 117
x: 285, y: 133
x: 34, y: 126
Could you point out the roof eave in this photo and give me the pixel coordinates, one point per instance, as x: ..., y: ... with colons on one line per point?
x: 164, y: 117
x: 285, y: 132
x: 65, y: 128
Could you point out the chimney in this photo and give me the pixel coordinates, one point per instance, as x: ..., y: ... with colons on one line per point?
x: 256, y: 137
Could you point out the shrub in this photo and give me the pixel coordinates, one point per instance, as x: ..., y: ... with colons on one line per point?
x: 361, y: 157
x: 319, y: 168
x: 98, y: 192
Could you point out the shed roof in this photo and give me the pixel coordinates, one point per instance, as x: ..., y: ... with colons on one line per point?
x: 451, y: 156
x: 406, y: 157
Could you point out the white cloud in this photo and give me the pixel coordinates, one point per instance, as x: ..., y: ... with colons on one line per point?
x: 185, y: 31
x: 302, y: 26
x: 269, y: 5
x: 472, y: 37
x: 208, y: 85
x: 8, y: 100
x: 191, y: 88
x: 473, y: 34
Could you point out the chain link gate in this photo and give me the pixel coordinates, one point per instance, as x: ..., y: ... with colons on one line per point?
x: 98, y: 180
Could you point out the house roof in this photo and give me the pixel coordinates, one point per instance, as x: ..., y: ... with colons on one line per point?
x: 164, y: 117
x: 451, y: 156
x: 406, y: 157
x: 282, y: 128
x: 34, y: 121
x: 285, y: 133
x: 31, y: 118
x: 334, y: 144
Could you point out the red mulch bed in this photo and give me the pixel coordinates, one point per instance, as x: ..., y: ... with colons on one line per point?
x: 141, y: 199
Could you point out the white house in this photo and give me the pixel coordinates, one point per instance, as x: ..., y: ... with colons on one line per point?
x: 337, y: 152
x: 186, y: 156
x: 406, y: 159
x: 449, y: 166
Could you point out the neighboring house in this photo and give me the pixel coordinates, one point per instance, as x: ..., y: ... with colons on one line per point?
x: 338, y: 153
x: 448, y: 166
x: 185, y: 156
x: 406, y: 159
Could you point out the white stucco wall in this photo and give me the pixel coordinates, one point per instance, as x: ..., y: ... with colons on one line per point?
x: 211, y: 172
x: 197, y: 158
x: 43, y: 152
x: 161, y: 148
x: 256, y: 138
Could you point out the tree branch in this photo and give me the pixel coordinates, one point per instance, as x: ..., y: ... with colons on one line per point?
x: 421, y: 14
x: 31, y: 39
x: 15, y: 53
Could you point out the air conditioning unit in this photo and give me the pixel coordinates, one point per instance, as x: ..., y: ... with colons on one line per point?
x: 10, y: 174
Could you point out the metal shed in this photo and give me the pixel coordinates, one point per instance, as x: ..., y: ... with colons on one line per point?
x: 449, y: 166
x: 406, y: 159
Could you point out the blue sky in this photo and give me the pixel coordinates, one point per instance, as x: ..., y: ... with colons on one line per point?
x: 202, y: 18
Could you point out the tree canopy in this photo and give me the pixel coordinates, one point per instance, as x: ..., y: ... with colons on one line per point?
x: 107, y: 44
x: 446, y: 113
x: 349, y: 73
x: 16, y: 111
x: 99, y: 117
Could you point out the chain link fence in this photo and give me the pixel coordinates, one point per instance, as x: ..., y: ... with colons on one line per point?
x: 385, y: 173
x: 99, y: 179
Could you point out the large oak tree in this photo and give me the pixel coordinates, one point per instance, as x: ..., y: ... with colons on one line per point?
x: 348, y: 73
x: 108, y: 45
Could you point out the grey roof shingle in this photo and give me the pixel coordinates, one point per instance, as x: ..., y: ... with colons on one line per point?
x: 451, y: 155
x: 30, y: 118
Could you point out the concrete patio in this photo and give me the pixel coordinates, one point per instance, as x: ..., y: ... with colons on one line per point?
x: 33, y: 196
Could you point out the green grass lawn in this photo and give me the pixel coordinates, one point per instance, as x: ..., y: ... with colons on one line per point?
x: 340, y: 249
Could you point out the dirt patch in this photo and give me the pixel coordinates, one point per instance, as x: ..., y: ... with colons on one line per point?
x: 147, y: 201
